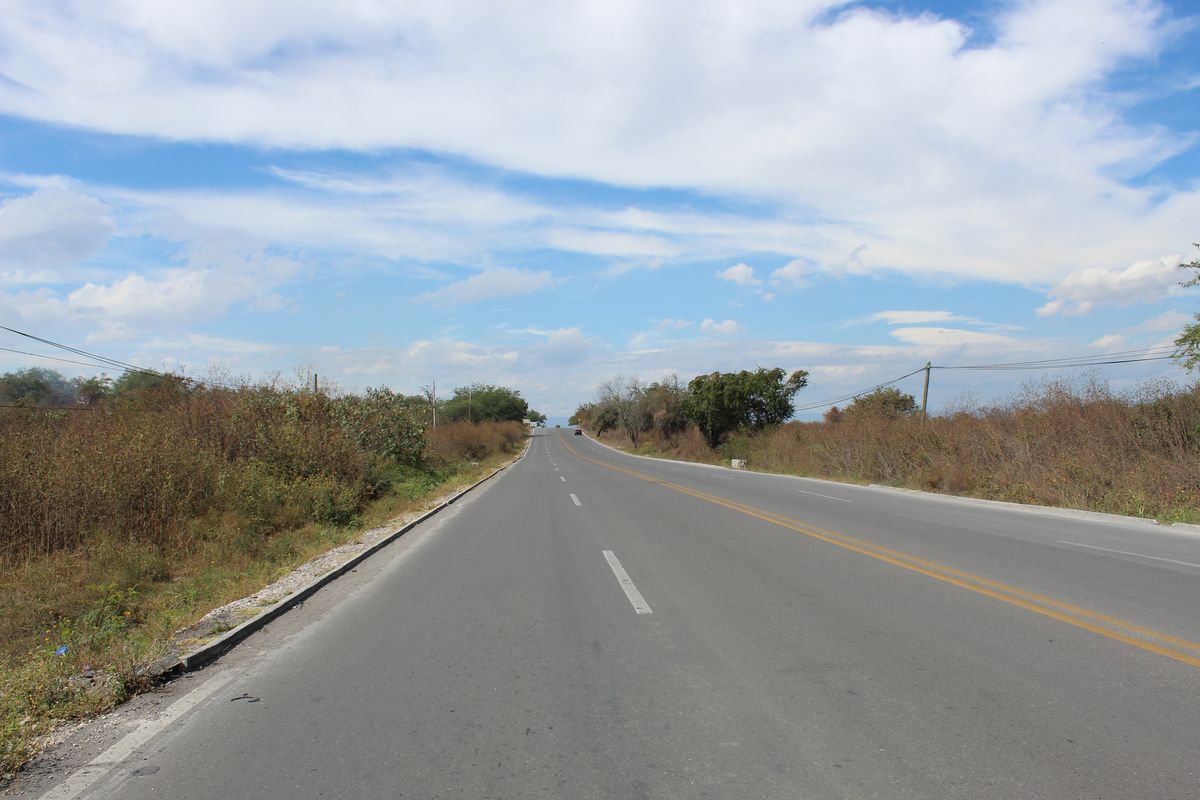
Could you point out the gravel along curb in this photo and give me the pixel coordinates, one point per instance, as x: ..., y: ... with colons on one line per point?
x: 174, y: 666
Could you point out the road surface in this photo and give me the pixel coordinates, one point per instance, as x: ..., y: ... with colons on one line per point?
x: 593, y: 625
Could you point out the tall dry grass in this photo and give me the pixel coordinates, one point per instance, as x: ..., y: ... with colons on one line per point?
x: 466, y: 441
x: 1075, y: 444
x: 272, y: 458
x: 119, y: 525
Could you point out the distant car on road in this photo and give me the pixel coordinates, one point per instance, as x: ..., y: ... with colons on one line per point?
x: 558, y: 426
x: 579, y: 432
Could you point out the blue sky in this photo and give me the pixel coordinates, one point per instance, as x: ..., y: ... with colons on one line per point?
x: 549, y: 198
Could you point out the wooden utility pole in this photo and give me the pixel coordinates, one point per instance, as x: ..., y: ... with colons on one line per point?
x: 925, y: 394
x: 314, y: 383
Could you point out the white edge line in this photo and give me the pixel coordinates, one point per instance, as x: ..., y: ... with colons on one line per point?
x: 575, y: 499
x: 1127, y: 553
x: 635, y: 597
x: 83, y: 778
x: 826, y: 496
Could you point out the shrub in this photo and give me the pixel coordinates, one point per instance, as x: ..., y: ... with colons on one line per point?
x: 466, y: 441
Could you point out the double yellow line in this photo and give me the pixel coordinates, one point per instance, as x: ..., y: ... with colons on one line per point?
x: 1120, y: 630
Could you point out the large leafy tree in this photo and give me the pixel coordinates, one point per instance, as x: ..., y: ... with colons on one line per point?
x: 1188, y: 343
x: 35, y: 386
x: 481, y: 402
x: 722, y: 402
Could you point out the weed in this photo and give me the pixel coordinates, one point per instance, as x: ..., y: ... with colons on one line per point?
x: 120, y: 526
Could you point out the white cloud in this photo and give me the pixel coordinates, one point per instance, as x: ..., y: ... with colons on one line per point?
x: 31, y: 307
x: 52, y: 227
x: 1171, y: 321
x: 1140, y: 282
x: 1108, y: 341
x: 672, y: 324
x: 948, y: 337
x: 563, y: 346
x: 216, y: 277
x: 794, y: 273
x: 917, y: 317
x: 728, y: 327
x: 1002, y: 159
x: 179, y: 292
x: 610, y: 243
x: 490, y: 284
x: 741, y: 274
x: 25, y: 276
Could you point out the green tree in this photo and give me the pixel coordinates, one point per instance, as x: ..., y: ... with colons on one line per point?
x: 665, y: 403
x: 722, y: 402
x: 886, y: 402
x: 137, y: 381
x: 92, y: 390
x: 628, y: 403
x: 1188, y: 343
x: 35, y: 386
x: 595, y: 416
x: 149, y: 390
x: 384, y: 422
x: 482, y: 402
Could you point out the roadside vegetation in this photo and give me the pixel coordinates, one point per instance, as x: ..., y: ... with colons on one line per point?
x: 1072, y: 443
x: 129, y: 509
x: 1069, y: 443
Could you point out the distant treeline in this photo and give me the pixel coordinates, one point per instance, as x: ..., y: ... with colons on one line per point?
x: 36, y: 387
x: 716, y: 404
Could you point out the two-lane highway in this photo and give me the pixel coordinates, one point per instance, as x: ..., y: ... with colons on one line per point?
x: 597, y: 625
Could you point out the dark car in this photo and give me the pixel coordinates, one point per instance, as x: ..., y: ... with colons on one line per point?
x: 579, y: 432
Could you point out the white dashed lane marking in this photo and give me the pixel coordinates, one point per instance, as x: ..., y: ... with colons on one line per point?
x: 635, y: 597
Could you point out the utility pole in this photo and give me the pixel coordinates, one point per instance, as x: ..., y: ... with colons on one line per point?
x: 314, y: 383
x: 433, y: 402
x: 925, y: 394
x: 470, y: 403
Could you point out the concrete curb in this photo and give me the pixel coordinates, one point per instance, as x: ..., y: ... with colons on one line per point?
x: 226, y: 641
x: 1177, y: 528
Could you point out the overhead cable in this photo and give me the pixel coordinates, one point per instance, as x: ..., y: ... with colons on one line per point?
x: 856, y: 395
x: 122, y: 365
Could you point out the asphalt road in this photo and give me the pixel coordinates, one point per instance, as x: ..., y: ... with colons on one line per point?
x: 596, y: 625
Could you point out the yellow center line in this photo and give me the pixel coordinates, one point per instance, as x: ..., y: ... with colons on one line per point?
x: 1059, y: 610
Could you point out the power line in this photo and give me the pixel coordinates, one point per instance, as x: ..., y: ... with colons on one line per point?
x: 1160, y: 353
x: 53, y: 358
x: 121, y: 365
x: 1056, y: 366
x: 856, y: 395
x: 105, y: 361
